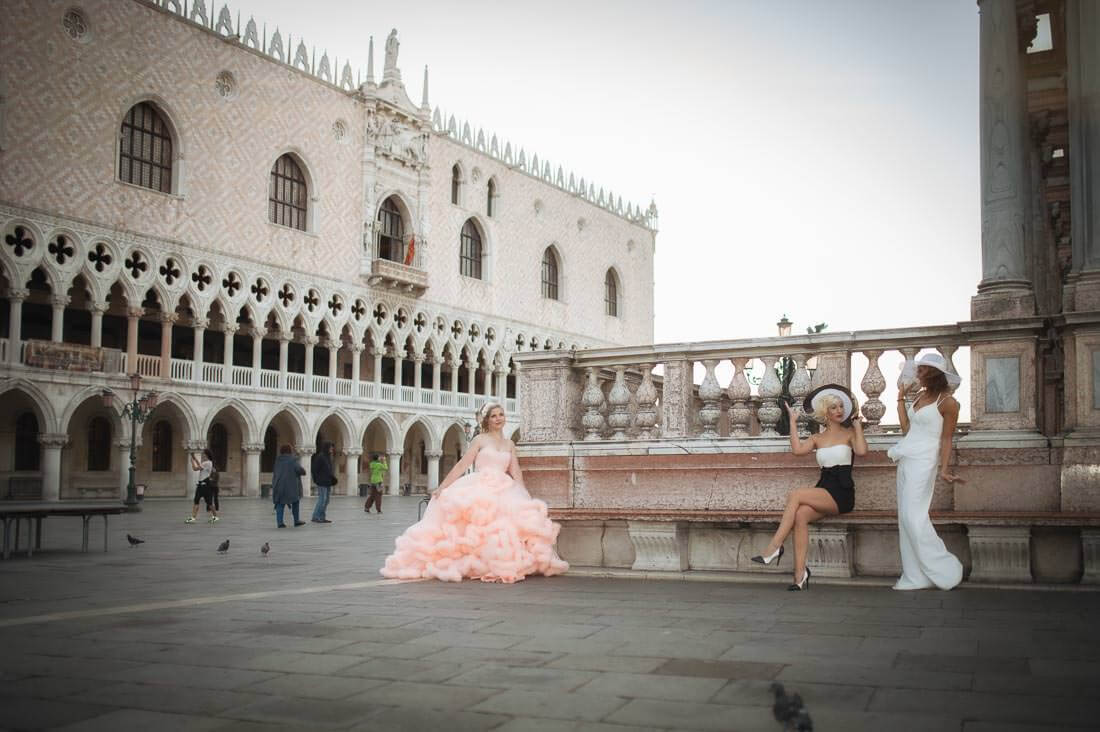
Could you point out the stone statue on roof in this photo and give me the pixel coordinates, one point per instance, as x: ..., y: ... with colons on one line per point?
x: 391, y: 51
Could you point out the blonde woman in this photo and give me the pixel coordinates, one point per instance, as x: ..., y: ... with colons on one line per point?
x: 484, y: 525
x: 833, y: 406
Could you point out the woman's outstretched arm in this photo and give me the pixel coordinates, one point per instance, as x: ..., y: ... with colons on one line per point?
x: 798, y: 447
x: 462, y: 465
x: 859, y: 442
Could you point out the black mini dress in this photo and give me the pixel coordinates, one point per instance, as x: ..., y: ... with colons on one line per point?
x: 837, y: 478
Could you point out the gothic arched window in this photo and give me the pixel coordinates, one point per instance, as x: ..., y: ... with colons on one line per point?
x: 470, y: 255
x: 162, y: 447
x: 549, y: 274
x: 456, y: 183
x: 99, y: 444
x: 28, y: 452
x: 218, y: 440
x: 490, y: 196
x: 271, y: 449
x: 288, y: 195
x: 611, y: 293
x: 391, y: 232
x: 145, y: 149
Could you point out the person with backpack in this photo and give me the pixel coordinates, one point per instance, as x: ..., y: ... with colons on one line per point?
x: 207, y: 488
x: 324, y: 477
x: 378, y: 468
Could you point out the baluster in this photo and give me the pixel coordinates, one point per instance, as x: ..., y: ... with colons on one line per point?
x: 873, y: 384
x: 910, y: 354
x: 619, y: 400
x: 710, y: 392
x: 799, y: 388
x: 948, y: 352
x: 770, y: 389
x: 739, y: 392
x: 646, y: 417
x: 593, y: 402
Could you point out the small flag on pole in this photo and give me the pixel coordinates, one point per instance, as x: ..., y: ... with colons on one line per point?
x: 410, y: 253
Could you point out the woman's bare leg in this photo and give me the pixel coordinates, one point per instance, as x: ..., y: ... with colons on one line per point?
x: 803, y: 517
x: 816, y: 498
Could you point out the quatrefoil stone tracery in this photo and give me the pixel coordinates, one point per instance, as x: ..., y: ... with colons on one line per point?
x: 201, y: 278
x: 100, y: 257
x: 311, y: 300
x: 286, y: 295
x: 61, y: 248
x: 19, y: 241
x: 231, y: 283
x: 170, y: 271
x: 136, y: 265
x: 260, y: 290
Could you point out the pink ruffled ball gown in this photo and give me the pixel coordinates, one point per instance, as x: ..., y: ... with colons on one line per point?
x: 483, y: 526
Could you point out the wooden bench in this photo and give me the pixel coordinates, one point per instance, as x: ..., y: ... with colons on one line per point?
x: 34, y: 513
x: 997, y: 546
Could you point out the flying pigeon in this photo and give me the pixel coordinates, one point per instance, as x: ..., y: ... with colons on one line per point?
x: 265, y: 549
x: 223, y: 547
x: 134, y: 541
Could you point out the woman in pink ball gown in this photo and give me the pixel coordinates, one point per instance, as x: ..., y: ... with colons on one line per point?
x: 480, y: 526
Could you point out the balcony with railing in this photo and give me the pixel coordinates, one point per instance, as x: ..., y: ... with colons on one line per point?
x: 395, y: 262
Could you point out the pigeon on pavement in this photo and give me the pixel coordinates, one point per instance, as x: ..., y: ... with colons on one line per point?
x: 265, y: 549
x: 134, y: 541
x: 223, y: 547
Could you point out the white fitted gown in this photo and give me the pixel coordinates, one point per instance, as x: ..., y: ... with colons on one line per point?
x: 925, y: 561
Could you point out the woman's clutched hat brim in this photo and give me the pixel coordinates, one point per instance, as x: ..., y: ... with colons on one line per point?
x: 809, y: 405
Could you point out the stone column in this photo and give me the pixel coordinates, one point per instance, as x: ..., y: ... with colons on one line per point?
x: 351, y: 470
x: 123, y: 447
x: 1006, y: 289
x: 676, y: 399
x: 16, y: 296
x: 1083, y: 72
x: 166, y: 321
x: 397, y: 363
x: 257, y: 358
x: 376, y: 361
x: 227, y: 353
x: 437, y: 373
x: 454, y: 366
x: 550, y: 398
x: 356, y: 367
x: 418, y: 365
x: 198, y: 331
x: 305, y: 454
x: 501, y: 389
x: 433, y: 468
x: 311, y: 342
x: 471, y: 380
x: 97, y: 310
x: 284, y: 349
x: 52, y: 445
x: 251, y: 477
x: 133, y: 315
x: 393, y: 459
x: 333, y: 356
x: 487, y: 382
x: 57, y: 323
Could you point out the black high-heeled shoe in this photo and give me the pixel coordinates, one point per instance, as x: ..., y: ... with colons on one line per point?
x: 775, y: 557
x: 803, y: 585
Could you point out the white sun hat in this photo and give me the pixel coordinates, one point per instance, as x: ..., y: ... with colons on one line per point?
x: 844, y: 395
x: 938, y: 362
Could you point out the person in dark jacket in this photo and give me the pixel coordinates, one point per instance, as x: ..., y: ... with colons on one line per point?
x: 286, y: 485
x: 324, y: 477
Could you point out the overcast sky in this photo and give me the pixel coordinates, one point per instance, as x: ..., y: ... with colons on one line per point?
x: 813, y: 158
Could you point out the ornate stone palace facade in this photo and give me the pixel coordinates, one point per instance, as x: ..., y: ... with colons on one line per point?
x: 284, y: 253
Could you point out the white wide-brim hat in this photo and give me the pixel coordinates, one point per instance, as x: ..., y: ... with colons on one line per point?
x: 813, y: 399
x: 938, y: 362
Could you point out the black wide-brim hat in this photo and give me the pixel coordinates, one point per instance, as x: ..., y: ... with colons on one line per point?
x: 846, y: 397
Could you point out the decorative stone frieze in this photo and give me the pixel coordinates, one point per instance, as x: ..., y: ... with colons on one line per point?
x: 659, y: 546
x: 1000, y: 553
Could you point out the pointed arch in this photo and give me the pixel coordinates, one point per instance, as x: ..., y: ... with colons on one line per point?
x: 434, y: 440
x: 243, y: 413
x: 292, y: 192
x: 148, y: 122
x: 298, y: 422
x: 343, y: 420
x: 47, y: 417
x: 389, y: 426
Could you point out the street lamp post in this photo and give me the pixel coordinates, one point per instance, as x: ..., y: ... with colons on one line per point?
x: 138, y: 410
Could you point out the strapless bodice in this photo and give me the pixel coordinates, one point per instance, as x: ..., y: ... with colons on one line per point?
x: 490, y: 458
x: 827, y: 457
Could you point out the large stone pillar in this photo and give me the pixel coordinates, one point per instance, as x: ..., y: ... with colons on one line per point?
x: 356, y: 367
x: 311, y: 343
x: 305, y: 454
x: 123, y: 447
x: 333, y: 357
x: 433, y: 468
x: 166, y: 321
x: 1006, y: 288
x: 398, y: 362
x: 351, y: 470
x: 418, y: 365
x: 393, y: 459
x: 251, y: 476
x: 198, y: 331
x: 284, y: 349
x: 97, y: 310
x: 16, y: 296
x: 550, y: 398
x: 376, y: 361
x: 133, y: 315
x: 57, y: 323
x: 227, y: 353
x: 454, y: 366
x: 1083, y: 72
x: 51, y: 464
x: 437, y: 374
x: 257, y: 353
x: 471, y: 377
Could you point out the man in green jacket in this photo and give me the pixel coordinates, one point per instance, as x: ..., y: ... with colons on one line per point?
x: 378, y: 468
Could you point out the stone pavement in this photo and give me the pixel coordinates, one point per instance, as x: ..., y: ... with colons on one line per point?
x: 170, y: 635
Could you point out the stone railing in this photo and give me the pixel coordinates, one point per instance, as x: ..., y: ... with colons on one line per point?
x: 669, y: 456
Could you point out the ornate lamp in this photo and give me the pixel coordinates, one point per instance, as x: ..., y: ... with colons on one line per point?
x: 784, y: 326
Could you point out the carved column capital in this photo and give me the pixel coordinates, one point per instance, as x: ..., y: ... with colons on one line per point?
x: 168, y: 318
x: 200, y: 323
x: 230, y: 329
x: 433, y: 454
x: 135, y: 312
x: 352, y: 451
x: 252, y: 448
x: 18, y: 293
x: 60, y: 301
x: 49, y: 440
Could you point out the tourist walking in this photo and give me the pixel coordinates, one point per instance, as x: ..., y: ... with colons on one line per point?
x: 481, y: 526
x: 286, y: 485
x: 324, y: 477
x: 378, y: 468
x: 927, y: 424
x: 206, y: 487
x: 833, y: 406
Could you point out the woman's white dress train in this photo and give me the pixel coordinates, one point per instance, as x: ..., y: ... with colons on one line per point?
x: 925, y: 561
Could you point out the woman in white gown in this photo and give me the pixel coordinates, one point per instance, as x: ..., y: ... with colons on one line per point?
x: 922, y: 454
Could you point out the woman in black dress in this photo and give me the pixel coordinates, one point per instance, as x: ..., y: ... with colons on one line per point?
x: 835, y: 407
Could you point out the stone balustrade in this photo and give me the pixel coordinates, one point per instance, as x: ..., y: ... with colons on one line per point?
x: 669, y: 457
